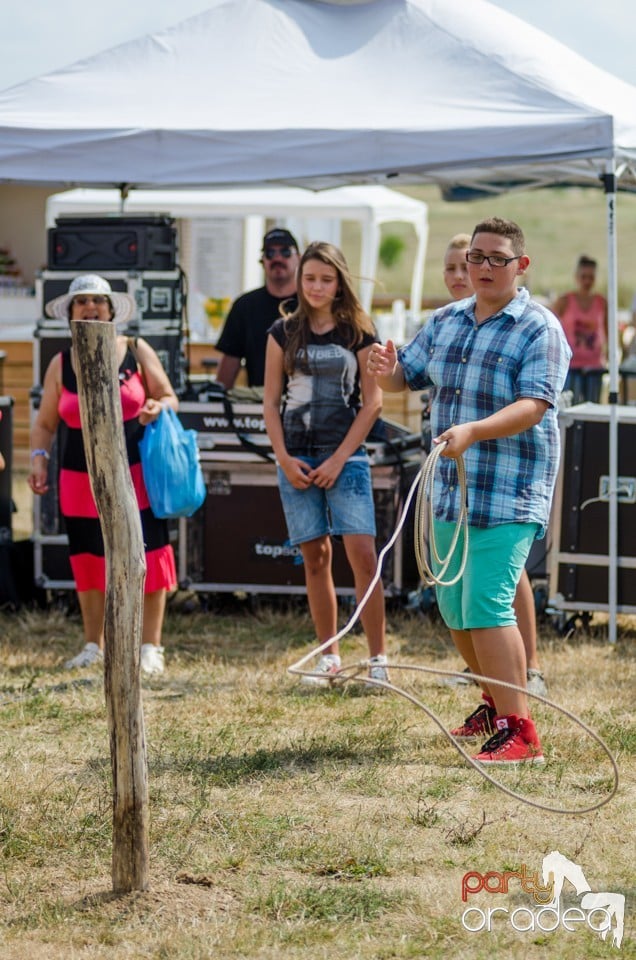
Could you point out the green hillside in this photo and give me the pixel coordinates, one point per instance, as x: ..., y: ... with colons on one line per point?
x: 559, y: 224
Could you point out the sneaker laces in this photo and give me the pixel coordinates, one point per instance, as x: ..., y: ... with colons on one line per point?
x: 484, y: 712
x: 497, y: 740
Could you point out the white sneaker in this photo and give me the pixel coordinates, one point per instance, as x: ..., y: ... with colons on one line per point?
x: 152, y: 664
x: 378, y: 668
x: 323, y: 675
x: 88, y: 655
x: 536, y: 682
x: 461, y: 680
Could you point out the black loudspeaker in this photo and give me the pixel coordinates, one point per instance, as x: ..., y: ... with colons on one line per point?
x: 580, y: 571
x: 112, y: 243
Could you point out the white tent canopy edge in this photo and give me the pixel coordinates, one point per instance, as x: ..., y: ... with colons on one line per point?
x: 407, y: 89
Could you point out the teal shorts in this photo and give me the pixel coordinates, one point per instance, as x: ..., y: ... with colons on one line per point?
x: 484, y: 594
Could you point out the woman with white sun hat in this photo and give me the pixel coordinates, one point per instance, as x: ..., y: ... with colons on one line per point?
x: 90, y: 297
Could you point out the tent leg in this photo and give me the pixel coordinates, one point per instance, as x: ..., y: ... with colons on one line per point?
x: 609, y: 183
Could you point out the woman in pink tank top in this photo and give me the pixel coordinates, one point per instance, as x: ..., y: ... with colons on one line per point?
x: 583, y: 314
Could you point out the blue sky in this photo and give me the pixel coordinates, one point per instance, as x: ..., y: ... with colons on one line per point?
x: 39, y: 36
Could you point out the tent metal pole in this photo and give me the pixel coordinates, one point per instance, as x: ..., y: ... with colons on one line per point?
x: 124, y: 190
x: 369, y: 254
x: 609, y: 183
x: 417, y: 280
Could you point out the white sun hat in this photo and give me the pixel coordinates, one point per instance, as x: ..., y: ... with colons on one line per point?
x: 91, y: 284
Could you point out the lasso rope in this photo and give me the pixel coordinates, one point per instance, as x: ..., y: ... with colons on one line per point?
x: 423, y: 483
x: 422, y: 526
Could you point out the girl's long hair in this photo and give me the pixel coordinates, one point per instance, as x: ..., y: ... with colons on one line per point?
x: 351, y: 320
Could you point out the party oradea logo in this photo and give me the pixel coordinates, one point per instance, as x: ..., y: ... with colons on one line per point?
x: 603, y: 913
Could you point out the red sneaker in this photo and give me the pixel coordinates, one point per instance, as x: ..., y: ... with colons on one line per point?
x: 480, y: 723
x: 516, y: 741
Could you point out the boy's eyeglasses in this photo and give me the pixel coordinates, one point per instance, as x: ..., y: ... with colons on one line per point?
x: 270, y: 253
x: 97, y: 300
x: 495, y: 261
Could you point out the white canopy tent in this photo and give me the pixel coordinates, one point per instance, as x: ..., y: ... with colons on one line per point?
x: 302, y: 211
x: 320, y: 94
x: 316, y: 94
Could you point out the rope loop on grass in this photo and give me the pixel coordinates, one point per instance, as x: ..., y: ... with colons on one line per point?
x: 423, y: 484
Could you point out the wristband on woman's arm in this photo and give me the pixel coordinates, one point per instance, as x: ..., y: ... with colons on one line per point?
x: 40, y: 452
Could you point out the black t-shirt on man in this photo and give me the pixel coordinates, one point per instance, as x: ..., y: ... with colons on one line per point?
x: 244, y: 334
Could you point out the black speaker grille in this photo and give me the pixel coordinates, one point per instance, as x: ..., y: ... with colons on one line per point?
x: 112, y: 244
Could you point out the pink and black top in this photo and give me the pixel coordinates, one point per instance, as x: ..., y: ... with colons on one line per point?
x: 86, y: 545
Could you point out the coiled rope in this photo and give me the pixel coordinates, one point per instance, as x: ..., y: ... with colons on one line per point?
x: 423, y: 485
x: 422, y: 526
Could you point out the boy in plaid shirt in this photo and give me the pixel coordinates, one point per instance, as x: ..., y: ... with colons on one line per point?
x: 498, y: 361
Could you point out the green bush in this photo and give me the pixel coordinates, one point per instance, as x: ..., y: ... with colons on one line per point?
x: 391, y: 249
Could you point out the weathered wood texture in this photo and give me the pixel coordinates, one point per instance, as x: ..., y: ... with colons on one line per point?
x: 94, y: 345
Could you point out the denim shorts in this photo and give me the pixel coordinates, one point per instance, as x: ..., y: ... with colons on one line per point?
x: 345, y: 508
x: 483, y: 596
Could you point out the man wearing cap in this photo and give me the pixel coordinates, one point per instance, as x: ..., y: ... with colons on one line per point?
x: 244, y: 335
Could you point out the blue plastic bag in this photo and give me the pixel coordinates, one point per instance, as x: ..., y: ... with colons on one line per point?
x: 171, y: 468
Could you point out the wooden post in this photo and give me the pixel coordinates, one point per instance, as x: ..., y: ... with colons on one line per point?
x: 95, y: 361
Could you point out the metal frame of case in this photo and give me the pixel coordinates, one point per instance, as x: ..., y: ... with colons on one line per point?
x: 582, y: 485
x: 237, y: 542
x: 158, y: 294
x: 166, y: 341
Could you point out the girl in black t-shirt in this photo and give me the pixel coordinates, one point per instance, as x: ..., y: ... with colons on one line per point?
x: 319, y: 406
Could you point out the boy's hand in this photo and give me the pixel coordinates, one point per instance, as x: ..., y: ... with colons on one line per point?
x: 382, y: 360
x: 457, y: 440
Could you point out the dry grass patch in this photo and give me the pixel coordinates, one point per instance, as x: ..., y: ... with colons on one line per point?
x: 329, y: 824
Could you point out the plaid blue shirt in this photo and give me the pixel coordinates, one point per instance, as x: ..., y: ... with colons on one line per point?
x: 478, y: 369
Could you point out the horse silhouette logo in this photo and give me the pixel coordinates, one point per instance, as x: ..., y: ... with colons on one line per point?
x: 556, y: 869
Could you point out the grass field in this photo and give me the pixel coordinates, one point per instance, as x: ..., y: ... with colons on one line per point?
x: 321, y: 825
x: 336, y: 824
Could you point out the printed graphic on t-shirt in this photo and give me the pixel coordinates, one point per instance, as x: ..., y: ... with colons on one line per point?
x: 585, y: 334
x: 322, y: 397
